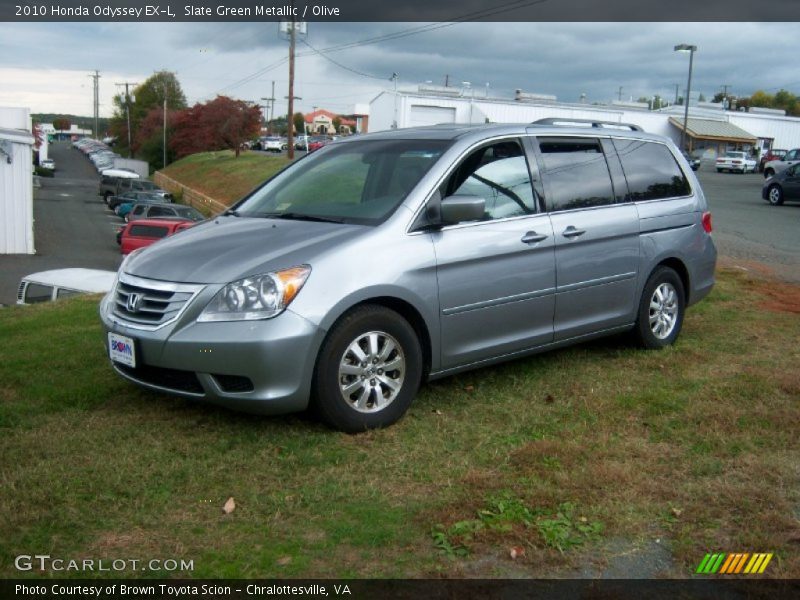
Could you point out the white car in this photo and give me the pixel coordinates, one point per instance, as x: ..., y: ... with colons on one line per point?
x: 48, y: 163
x: 61, y: 283
x: 273, y: 144
x: 741, y: 162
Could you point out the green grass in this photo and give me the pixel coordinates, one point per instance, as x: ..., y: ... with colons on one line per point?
x: 221, y: 175
x: 558, y: 454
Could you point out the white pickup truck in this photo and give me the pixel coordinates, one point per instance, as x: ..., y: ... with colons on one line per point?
x: 776, y: 166
x: 736, y: 161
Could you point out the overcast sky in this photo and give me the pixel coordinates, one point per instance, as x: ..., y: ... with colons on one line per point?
x: 46, y: 66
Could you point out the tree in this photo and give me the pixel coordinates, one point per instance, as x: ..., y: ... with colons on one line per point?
x: 61, y: 124
x: 149, y: 141
x: 337, y: 123
x: 701, y: 98
x: 278, y: 125
x: 144, y: 98
x: 299, y: 122
x: 222, y: 123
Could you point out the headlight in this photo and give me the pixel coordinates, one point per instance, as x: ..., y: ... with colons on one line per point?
x: 258, y: 297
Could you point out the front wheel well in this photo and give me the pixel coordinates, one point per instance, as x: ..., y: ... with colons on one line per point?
x: 414, y: 318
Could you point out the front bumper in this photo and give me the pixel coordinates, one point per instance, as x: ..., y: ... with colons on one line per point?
x: 261, y: 367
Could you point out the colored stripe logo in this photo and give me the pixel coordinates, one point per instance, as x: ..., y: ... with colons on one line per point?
x: 734, y: 563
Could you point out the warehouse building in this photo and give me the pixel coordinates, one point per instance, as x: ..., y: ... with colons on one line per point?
x: 711, y: 130
x: 16, y: 181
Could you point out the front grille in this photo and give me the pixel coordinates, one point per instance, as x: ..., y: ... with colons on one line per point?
x: 158, y: 303
x: 172, y: 379
x: 21, y: 291
x: 234, y: 384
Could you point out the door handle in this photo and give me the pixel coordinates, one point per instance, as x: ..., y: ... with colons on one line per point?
x: 532, y: 237
x: 571, y: 232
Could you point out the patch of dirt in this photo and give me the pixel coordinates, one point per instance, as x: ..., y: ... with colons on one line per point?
x: 624, y: 559
x: 779, y: 296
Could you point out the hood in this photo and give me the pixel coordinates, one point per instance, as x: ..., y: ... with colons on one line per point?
x: 228, y: 248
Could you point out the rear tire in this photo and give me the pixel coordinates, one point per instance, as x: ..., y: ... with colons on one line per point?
x: 368, y: 370
x: 661, y: 309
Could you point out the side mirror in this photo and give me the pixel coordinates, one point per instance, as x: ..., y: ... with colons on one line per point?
x: 458, y: 208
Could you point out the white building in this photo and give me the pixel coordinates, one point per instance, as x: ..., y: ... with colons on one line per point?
x: 16, y: 181
x: 430, y: 105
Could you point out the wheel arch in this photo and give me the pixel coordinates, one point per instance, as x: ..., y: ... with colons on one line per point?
x: 677, y: 265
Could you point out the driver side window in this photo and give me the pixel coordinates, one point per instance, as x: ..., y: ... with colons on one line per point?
x: 499, y: 174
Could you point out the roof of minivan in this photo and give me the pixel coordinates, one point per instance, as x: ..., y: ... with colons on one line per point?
x: 84, y: 280
x: 453, y: 131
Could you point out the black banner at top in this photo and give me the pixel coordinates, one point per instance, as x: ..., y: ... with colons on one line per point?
x: 398, y: 10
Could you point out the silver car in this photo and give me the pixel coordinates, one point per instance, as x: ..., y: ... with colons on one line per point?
x: 388, y: 259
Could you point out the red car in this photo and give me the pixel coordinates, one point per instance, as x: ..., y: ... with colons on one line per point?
x: 143, y: 232
x: 315, y: 143
x: 773, y: 154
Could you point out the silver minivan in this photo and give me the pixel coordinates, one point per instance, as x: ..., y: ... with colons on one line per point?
x: 387, y: 259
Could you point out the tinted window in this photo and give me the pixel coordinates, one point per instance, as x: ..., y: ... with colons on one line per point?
x: 64, y: 293
x: 651, y: 170
x: 38, y: 293
x: 139, y: 209
x: 149, y: 231
x: 159, y: 211
x: 577, y: 171
x: 498, y: 174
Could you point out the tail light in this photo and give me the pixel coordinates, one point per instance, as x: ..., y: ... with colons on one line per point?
x: 707, y: 222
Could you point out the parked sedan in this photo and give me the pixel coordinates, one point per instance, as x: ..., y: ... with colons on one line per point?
x: 150, y: 210
x: 317, y: 142
x: 739, y: 162
x: 134, y: 198
x: 142, y: 233
x: 273, y: 144
x: 782, y: 186
x: 48, y: 163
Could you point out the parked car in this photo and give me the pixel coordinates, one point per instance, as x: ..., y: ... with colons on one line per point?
x: 273, y: 144
x: 62, y: 283
x: 769, y: 155
x: 783, y: 186
x: 435, y: 250
x: 142, y: 233
x: 317, y: 142
x: 300, y: 141
x: 733, y: 161
x: 130, y: 198
x: 48, y: 163
x: 693, y: 161
x: 178, y: 211
x: 120, y: 173
x: 117, y: 185
x: 776, y: 166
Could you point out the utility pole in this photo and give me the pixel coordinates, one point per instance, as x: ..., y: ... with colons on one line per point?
x: 446, y: 80
x: 269, y: 108
x: 676, y: 93
x: 96, y: 101
x: 164, y: 140
x: 619, y: 94
x: 394, y: 78
x: 725, y: 93
x: 128, y: 111
x: 290, y: 134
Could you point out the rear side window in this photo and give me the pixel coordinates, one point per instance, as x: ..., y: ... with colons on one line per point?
x: 651, y: 170
x: 148, y: 231
x: 577, y: 173
x: 159, y: 211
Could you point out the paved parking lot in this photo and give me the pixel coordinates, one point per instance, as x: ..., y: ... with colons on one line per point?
x: 73, y: 227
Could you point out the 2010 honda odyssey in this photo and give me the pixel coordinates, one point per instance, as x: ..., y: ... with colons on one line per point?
x: 387, y: 259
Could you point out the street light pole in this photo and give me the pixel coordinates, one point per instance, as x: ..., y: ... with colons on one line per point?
x: 691, y: 49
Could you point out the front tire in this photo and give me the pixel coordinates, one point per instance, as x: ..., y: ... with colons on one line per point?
x: 368, y: 370
x: 775, y: 195
x: 661, y: 309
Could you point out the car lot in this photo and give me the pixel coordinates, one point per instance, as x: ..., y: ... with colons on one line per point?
x: 75, y: 229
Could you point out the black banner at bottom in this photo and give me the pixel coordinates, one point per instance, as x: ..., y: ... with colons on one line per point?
x: 219, y: 589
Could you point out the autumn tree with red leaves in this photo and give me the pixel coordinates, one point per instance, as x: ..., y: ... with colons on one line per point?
x: 61, y: 124
x: 220, y: 124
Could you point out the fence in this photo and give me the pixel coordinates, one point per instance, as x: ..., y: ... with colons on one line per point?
x: 191, y: 197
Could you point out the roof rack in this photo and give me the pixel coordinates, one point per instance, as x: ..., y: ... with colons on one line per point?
x: 592, y: 122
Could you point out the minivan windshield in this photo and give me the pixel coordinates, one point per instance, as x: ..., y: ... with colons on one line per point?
x: 360, y: 182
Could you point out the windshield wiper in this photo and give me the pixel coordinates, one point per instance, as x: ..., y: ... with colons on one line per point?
x: 300, y: 217
x: 231, y: 212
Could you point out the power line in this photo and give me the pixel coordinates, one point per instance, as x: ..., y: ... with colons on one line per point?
x: 338, y: 64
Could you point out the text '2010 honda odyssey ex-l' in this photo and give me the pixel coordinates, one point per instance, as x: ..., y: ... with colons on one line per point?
x: 386, y: 259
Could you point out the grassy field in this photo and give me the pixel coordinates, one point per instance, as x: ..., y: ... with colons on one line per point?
x: 223, y: 176
x: 577, y: 462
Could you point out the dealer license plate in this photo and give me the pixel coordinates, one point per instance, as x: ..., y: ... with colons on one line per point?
x: 122, y: 349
